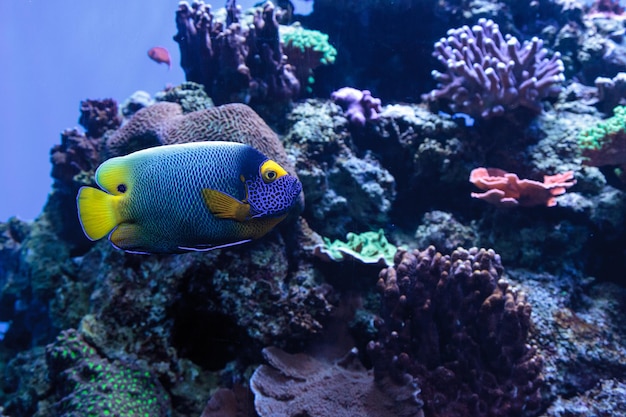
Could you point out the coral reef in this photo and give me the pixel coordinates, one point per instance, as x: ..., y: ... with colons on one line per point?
x: 359, y: 106
x: 611, y: 91
x: 488, y: 75
x: 256, y: 329
x: 137, y: 101
x: 455, y: 333
x: 505, y: 189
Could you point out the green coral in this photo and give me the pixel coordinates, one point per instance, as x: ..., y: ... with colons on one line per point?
x: 306, y: 50
x: 368, y: 248
x: 295, y: 36
x: 597, y: 136
x: 90, y: 385
x: 605, y: 142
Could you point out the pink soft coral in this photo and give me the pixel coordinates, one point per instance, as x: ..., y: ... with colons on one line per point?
x: 505, y: 189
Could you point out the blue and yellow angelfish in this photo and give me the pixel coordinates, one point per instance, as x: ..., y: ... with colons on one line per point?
x: 194, y: 196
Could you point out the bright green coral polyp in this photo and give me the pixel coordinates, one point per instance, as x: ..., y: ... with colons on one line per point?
x: 368, y: 247
x: 305, y: 39
x: 600, y: 135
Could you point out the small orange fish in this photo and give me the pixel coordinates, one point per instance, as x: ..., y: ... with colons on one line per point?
x: 160, y: 55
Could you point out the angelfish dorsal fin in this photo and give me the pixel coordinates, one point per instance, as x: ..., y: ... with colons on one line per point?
x: 223, y: 206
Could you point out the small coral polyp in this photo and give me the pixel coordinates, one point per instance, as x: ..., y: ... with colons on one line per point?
x: 488, y: 75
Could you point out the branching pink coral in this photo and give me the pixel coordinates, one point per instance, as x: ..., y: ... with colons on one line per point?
x: 507, y: 190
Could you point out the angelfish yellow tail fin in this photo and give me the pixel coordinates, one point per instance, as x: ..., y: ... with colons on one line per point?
x: 97, y: 212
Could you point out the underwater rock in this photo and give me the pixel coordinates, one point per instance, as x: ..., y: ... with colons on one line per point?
x: 343, y: 191
x: 444, y: 231
x: 606, y: 398
x: 137, y: 101
x: 191, y: 97
x: 578, y: 333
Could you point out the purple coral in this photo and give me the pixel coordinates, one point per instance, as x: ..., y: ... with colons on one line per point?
x: 452, y: 326
x: 359, y: 106
x: 488, y: 74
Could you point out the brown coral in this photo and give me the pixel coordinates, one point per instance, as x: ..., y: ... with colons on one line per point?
x: 454, y: 327
x: 76, y: 153
x: 98, y: 116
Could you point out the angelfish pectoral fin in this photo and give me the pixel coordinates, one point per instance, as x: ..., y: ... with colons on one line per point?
x: 128, y: 237
x: 223, y: 206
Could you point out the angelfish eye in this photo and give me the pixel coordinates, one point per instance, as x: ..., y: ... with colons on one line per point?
x: 269, y: 176
x: 121, y: 188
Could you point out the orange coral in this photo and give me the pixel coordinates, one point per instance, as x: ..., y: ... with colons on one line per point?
x: 505, y: 189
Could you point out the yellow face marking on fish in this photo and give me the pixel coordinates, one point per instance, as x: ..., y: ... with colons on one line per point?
x: 271, y: 171
x: 114, y: 176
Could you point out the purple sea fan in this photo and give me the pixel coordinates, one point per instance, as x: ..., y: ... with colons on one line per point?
x: 488, y: 74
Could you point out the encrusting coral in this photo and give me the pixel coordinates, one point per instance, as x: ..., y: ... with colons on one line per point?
x: 92, y: 386
x: 488, y: 75
x: 605, y: 143
x: 454, y: 334
x: 298, y: 384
